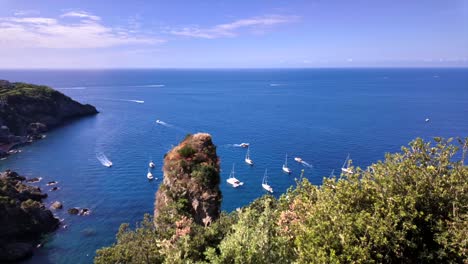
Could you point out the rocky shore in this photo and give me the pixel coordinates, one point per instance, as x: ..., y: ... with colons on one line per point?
x: 23, y: 217
x: 27, y: 111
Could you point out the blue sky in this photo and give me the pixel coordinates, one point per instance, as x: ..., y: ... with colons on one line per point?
x: 233, y: 34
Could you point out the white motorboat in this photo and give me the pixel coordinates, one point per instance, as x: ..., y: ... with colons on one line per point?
x: 285, y: 166
x: 248, y: 160
x: 265, y: 184
x: 151, y: 164
x: 232, y: 179
x: 346, y: 168
x: 244, y: 145
x: 298, y: 159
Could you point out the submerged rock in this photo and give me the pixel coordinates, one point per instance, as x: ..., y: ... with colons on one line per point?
x: 34, y: 180
x: 52, y: 183
x: 191, y: 182
x: 73, y: 211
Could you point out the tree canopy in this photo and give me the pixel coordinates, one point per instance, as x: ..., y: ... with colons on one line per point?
x: 409, y: 208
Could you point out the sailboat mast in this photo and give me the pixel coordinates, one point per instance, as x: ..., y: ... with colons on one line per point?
x: 345, y: 165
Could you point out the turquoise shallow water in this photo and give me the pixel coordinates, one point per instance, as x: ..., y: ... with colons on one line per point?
x: 319, y: 115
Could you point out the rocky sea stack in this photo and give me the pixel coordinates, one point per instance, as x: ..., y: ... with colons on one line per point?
x: 28, y: 110
x: 190, y: 189
x: 23, y: 217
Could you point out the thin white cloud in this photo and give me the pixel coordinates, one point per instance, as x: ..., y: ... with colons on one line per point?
x: 232, y: 29
x: 25, y: 12
x: 30, y: 20
x: 81, y: 14
x: 86, y: 32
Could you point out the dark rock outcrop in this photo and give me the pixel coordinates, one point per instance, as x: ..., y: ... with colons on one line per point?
x: 23, y: 217
x: 27, y: 111
x: 73, y: 211
x: 191, y: 183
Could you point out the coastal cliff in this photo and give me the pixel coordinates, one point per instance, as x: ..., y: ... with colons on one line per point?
x: 28, y: 110
x: 23, y: 217
x: 191, y: 182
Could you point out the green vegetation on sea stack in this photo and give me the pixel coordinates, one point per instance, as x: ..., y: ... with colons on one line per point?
x: 409, y: 208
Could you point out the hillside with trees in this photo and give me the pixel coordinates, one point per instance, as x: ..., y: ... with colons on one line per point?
x: 409, y: 208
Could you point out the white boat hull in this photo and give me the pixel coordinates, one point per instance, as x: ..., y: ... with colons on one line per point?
x: 267, y: 187
x: 298, y: 159
x: 249, y: 161
x: 151, y: 165
x: 234, y: 182
x: 149, y: 176
x: 287, y: 170
x: 347, y: 170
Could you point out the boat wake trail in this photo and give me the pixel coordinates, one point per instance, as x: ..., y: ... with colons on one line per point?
x: 305, y: 164
x: 162, y: 123
x: 72, y: 88
x: 152, y: 85
x: 104, y: 160
x: 241, y: 145
x: 135, y: 101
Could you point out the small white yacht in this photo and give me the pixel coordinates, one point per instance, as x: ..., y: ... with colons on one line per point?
x: 232, y: 180
x: 298, y: 159
x: 346, y: 168
x: 265, y: 184
x: 151, y: 164
x: 247, y: 157
x: 285, y: 166
x: 149, y: 175
x: 108, y: 164
x: 244, y: 145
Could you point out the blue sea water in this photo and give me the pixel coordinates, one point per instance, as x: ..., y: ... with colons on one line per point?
x: 320, y: 115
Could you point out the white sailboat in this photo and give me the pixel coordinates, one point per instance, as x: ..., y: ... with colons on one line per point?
x: 247, y: 157
x: 265, y: 184
x: 149, y: 175
x: 232, y: 180
x: 285, y: 166
x: 151, y: 164
x: 346, y: 168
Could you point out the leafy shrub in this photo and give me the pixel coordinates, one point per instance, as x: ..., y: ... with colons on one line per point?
x: 187, y: 151
x: 207, y: 175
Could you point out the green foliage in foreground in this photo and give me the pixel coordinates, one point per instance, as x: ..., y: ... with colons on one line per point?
x: 410, y: 208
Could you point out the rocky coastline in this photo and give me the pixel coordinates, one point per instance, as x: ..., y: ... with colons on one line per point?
x: 24, y: 219
x: 27, y: 111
